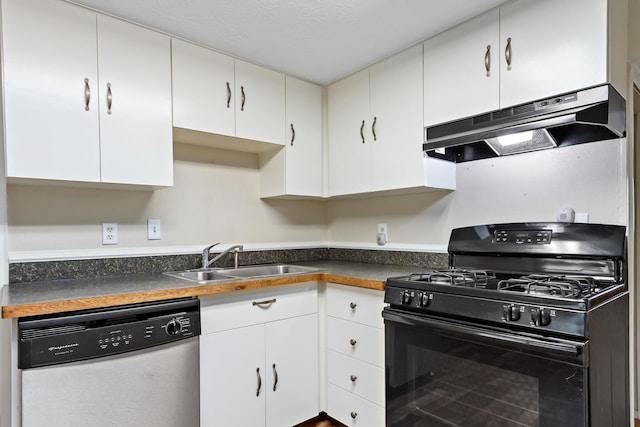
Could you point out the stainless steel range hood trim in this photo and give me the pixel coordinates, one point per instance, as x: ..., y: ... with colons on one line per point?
x: 495, y: 131
x: 600, y: 108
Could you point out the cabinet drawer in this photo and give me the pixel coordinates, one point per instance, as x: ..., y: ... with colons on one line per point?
x: 356, y: 340
x: 356, y: 304
x: 352, y: 410
x: 356, y: 376
x: 235, y: 310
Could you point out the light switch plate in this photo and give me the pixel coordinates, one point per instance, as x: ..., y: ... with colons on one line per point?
x: 153, y: 229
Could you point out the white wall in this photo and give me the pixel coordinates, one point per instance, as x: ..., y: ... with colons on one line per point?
x: 215, y: 198
x: 589, y: 178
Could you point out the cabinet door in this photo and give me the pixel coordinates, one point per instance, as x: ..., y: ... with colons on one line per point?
x: 556, y: 47
x: 349, y: 136
x: 303, y: 163
x: 232, y: 378
x: 49, y: 49
x: 396, y: 121
x: 292, y: 352
x: 134, y: 64
x: 203, y: 81
x: 456, y: 82
x: 260, y: 98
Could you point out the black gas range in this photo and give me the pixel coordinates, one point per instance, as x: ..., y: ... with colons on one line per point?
x: 520, y: 302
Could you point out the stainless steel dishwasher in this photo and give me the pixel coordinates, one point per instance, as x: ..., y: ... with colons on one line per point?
x: 133, y: 365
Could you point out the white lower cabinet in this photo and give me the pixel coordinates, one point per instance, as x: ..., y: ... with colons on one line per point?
x: 355, y: 356
x: 259, y: 362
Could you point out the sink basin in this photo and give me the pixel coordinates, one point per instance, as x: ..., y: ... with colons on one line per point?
x: 267, y: 270
x: 225, y: 275
x: 200, y: 275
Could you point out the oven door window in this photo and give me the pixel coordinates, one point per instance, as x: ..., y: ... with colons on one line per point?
x: 461, y: 376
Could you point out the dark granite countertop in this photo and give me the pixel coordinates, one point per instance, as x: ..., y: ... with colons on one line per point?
x: 46, y: 297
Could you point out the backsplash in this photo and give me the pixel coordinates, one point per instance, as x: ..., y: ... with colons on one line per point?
x: 53, y: 270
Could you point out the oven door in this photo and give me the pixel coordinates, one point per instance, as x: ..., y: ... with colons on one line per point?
x: 445, y: 373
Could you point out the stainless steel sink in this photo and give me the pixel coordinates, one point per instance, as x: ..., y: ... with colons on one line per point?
x: 201, y: 275
x: 229, y: 274
x: 268, y: 270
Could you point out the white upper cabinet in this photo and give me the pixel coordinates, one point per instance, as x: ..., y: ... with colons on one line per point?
x: 260, y: 103
x: 523, y: 51
x: 63, y: 122
x: 555, y: 47
x: 296, y: 170
x: 134, y: 65
x: 376, y: 128
x: 217, y: 94
x: 50, y: 91
x: 349, y: 136
x: 396, y: 121
x: 203, y: 85
x: 461, y: 70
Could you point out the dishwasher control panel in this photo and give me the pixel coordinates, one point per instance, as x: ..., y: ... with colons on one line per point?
x: 88, y: 334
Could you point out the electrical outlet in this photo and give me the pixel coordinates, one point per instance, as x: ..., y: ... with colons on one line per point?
x: 109, y: 233
x: 381, y: 237
x: 153, y: 229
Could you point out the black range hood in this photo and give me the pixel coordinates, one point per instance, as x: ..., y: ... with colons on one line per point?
x: 588, y: 115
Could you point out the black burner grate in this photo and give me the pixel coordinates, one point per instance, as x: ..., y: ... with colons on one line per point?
x: 455, y: 277
x: 549, y: 285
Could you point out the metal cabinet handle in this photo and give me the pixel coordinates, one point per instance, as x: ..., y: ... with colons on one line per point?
x: 259, y: 382
x: 487, y: 60
x: 352, y: 341
x: 362, y: 131
x: 507, y: 53
x: 275, y: 379
x: 353, y: 378
x: 267, y: 302
x: 354, y: 414
x: 244, y: 98
x: 109, y: 98
x: 87, y: 94
x: 353, y: 305
x: 373, y: 128
x: 228, y: 95
x: 293, y: 134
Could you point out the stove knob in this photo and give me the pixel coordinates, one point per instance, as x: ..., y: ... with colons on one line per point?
x: 173, y: 327
x: 406, y: 297
x: 540, y: 316
x: 510, y: 313
x: 424, y: 299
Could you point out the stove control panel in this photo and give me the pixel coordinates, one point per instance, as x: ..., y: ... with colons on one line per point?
x: 524, y: 237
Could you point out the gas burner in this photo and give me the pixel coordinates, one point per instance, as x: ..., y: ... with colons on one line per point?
x: 546, y: 285
x: 455, y: 277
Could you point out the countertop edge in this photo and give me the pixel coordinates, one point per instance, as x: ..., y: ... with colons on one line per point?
x: 50, y: 307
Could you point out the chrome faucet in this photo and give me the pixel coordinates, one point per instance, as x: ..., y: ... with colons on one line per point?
x: 206, y: 262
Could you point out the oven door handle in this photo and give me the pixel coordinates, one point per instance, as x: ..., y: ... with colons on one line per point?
x: 566, y: 351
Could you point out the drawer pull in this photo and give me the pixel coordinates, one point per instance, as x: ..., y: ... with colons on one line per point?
x: 275, y: 377
x: 354, y: 414
x: 362, y: 131
x: 244, y: 98
x: 507, y: 53
x: 353, y: 378
x: 265, y: 303
x: 87, y: 94
x: 228, y: 95
x: 353, y: 305
x: 109, y: 98
x: 487, y: 60
x: 259, y: 382
x: 352, y: 341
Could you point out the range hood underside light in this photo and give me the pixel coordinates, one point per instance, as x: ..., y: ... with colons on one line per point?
x: 521, y: 142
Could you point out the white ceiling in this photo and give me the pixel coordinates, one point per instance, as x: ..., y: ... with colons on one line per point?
x: 316, y: 40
